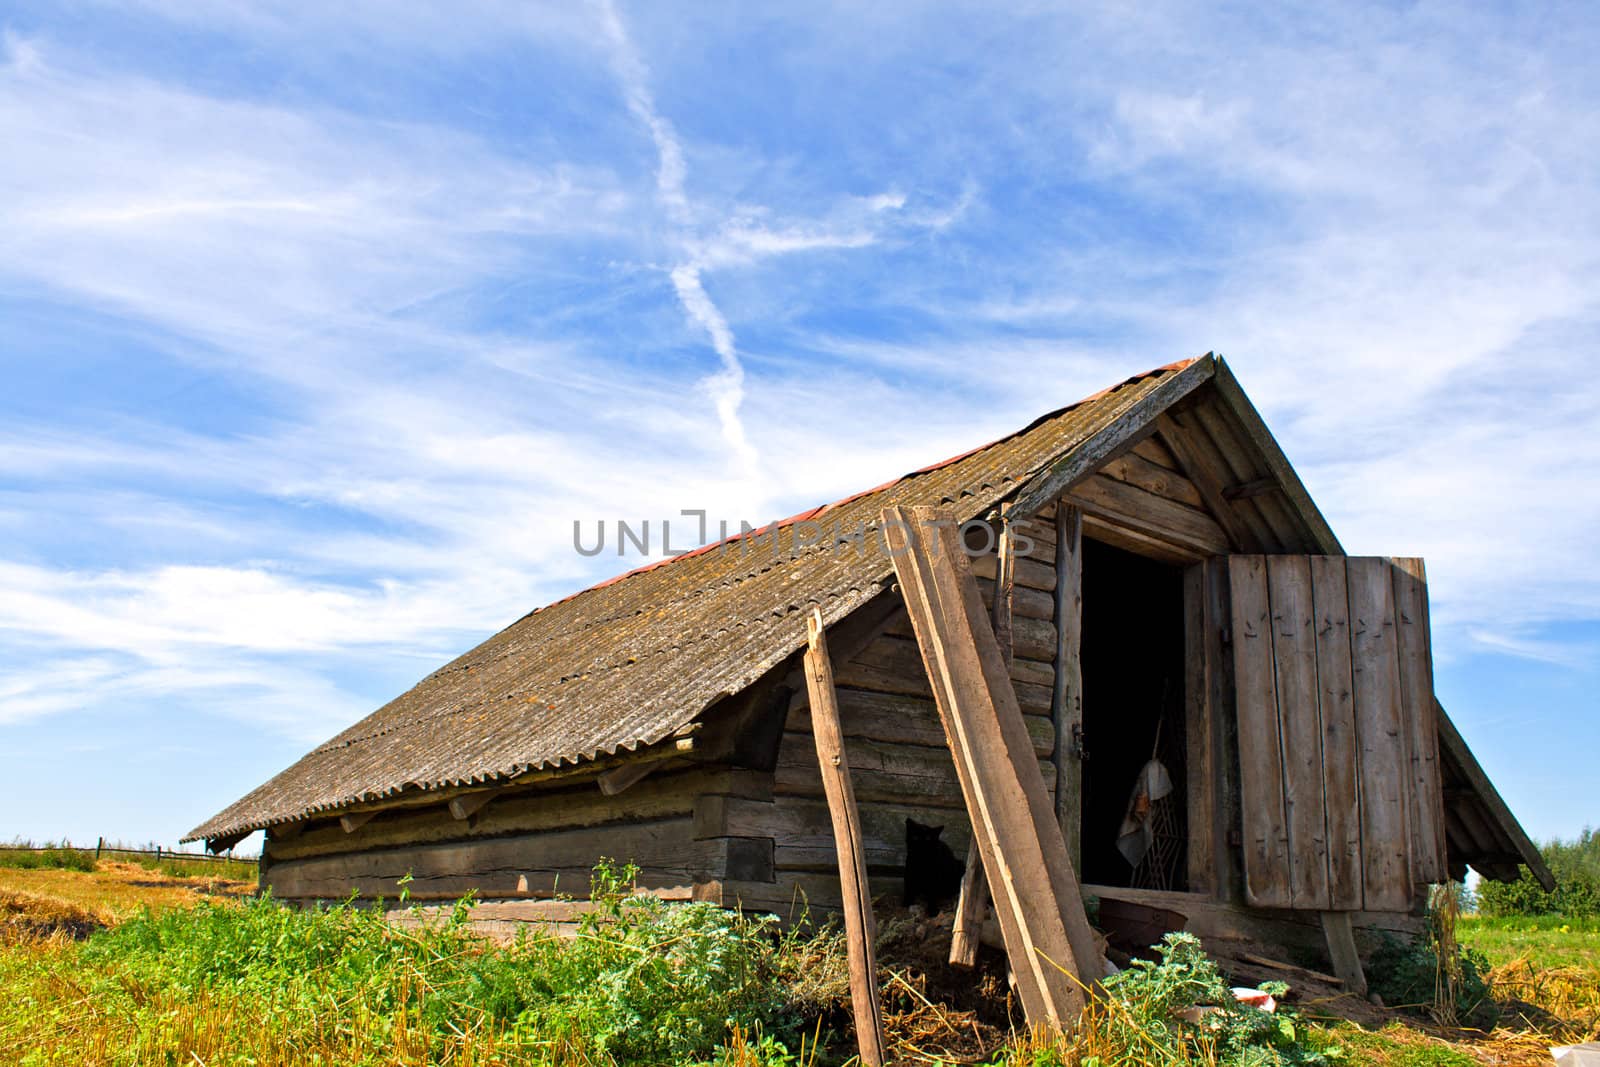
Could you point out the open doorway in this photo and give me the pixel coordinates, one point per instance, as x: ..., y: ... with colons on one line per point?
x: 1133, y: 710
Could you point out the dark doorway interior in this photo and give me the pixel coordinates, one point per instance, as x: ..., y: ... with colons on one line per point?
x: 1133, y: 679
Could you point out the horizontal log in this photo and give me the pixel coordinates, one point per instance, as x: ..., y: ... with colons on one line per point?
x: 524, y: 812
x: 880, y: 771
x: 1148, y: 513
x: 1031, y: 637
x: 527, y: 865
x: 903, y: 719
x: 1031, y: 573
x: 1032, y: 671
x: 1098, y: 529
x: 894, y: 665
x: 1134, y: 469
x: 1156, y: 451
x: 802, y: 833
x: 1025, y: 603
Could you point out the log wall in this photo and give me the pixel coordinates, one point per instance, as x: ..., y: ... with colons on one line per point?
x: 527, y: 844
x: 900, y: 763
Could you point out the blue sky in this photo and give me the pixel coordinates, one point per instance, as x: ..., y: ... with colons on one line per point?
x: 319, y: 330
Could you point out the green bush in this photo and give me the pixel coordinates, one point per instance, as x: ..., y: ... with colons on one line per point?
x: 1406, y: 975
x: 1576, y: 867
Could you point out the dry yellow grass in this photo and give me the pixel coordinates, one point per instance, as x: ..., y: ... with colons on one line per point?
x: 116, y: 890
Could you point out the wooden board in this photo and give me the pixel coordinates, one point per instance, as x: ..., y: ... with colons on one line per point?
x: 1384, y: 768
x: 1415, y: 653
x: 1035, y: 891
x: 860, y: 930
x: 1261, y: 786
x: 1200, y: 764
x: 1330, y: 597
x: 1066, y: 699
x: 1154, y: 478
x: 1294, y: 655
x: 1153, y: 450
x: 1143, y: 511
x: 1205, y: 475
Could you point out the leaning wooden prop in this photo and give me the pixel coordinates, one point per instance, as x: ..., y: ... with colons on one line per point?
x: 1053, y: 955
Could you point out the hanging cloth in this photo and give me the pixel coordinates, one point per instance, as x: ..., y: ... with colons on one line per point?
x: 1137, y: 833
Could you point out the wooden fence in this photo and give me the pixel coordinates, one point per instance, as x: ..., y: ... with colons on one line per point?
x: 103, y: 850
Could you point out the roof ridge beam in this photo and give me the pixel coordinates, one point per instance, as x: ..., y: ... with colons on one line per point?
x: 1125, y: 431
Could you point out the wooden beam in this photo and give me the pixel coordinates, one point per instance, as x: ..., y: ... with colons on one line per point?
x: 1147, y: 513
x: 973, y: 899
x: 1421, y: 733
x: 225, y: 842
x: 1342, y: 951
x: 467, y: 805
x: 613, y: 781
x: 1261, y: 793
x: 1453, y: 746
x: 1226, y: 819
x: 1294, y: 491
x: 1207, y: 479
x: 1254, y: 487
x: 1048, y: 939
x: 857, y: 898
x: 1202, y: 765
x: 681, y: 744
x: 355, y: 820
x: 1066, y: 698
x: 1125, y: 431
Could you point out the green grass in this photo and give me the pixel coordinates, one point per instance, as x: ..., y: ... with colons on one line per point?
x: 642, y: 982
x: 50, y: 855
x: 1544, y: 940
x: 229, y: 869
x: 47, y: 857
x: 228, y: 983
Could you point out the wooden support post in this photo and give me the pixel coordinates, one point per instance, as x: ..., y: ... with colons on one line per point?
x: 1066, y: 699
x: 1047, y: 935
x: 974, y: 898
x: 857, y: 899
x: 1342, y: 951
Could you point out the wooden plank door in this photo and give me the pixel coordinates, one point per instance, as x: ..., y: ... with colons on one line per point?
x: 1341, y: 806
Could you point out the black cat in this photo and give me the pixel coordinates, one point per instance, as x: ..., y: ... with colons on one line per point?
x: 933, y: 874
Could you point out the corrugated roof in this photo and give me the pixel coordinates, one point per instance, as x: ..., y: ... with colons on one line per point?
x: 636, y: 659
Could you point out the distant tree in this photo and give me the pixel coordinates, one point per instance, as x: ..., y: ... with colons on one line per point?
x: 1576, y: 866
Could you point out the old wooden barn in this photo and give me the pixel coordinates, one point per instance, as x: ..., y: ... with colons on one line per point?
x: 1182, y: 600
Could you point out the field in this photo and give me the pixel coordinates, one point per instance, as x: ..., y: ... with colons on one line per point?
x: 127, y: 965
